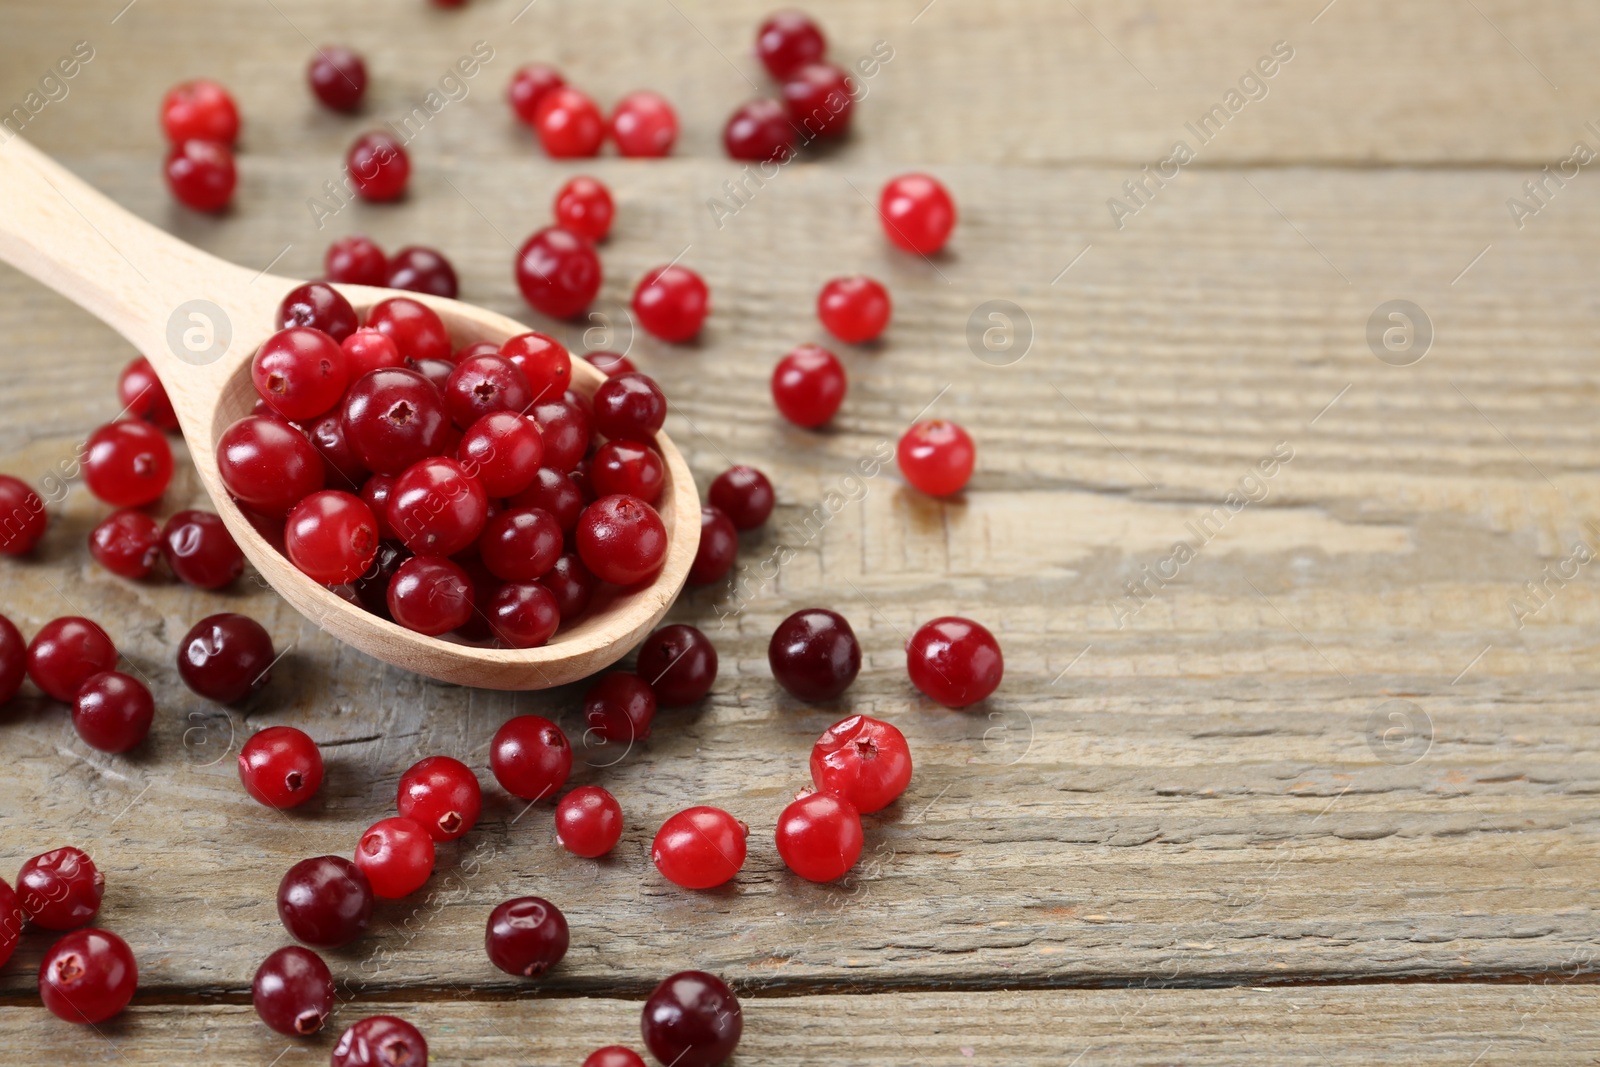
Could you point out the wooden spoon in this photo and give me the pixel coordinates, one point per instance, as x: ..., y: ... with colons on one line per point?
x: 200, y: 319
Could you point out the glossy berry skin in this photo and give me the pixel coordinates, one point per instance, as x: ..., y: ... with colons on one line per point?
x: 342, y: 466
x: 528, y: 88
x: 13, y: 669
x: 383, y: 1040
x: 759, y: 132
x: 644, y: 125
x: 679, y: 663
x: 441, y: 794
x: 554, y: 493
x: 436, y: 508
x: 855, y: 309
x: 610, y: 364
x: 293, y: 991
x: 481, y: 385
x: 621, y: 540
x: 619, y: 708
x: 128, y: 463
x: 281, y: 767
x: 718, y: 548
x: 429, y: 595
x: 672, y: 303
x: 543, y: 360
x: 584, y: 206
x: 558, y: 272
x: 569, y: 124
x: 200, y: 550
x: 338, y: 77
x: 67, y: 652
x: 566, y: 426
x: 394, y: 418
x: 570, y: 582
x: 788, y: 41
x: 199, y: 110
x: 520, y: 544
x: 320, y: 307
x: 629, y: 468
x: 23, y: 520
x: 396, y: 855
x: 423, y: 270
x: 808, y: 385
x: 127, y: 543
x: 368, y: 350
x: 325, y: 901
x: 356, y: 260
x: 588, y: 822
x: 378, y: 167
x: 819, y: 837
x: 814, y: 654
x: 225, y: 657
x: 530, y: 757
x: 819, y: 99
x: 522, y: 614
x: 331, y: 536
x: 503, y: 450
x: 144, y: 397
x: 862, y: 760
x: 692, y: 1020
x: 300, y: 372
x: 11, y: 920
x: 88, y: 976
x: 416, y: 329
x: 955, y: 661
x: 268, y: 465
x: 613, y: 1056
x: 743, y: 494
x: 937, y: 457
x: 113, y: 712
x: 526, y: 936
x: 630, y: 406
x: 201, y: 174
x: 60, y: 889
x: 699, y: 848
x: 917, y: 213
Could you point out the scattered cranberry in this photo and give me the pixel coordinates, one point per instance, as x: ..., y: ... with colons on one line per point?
x: 281, y: 767
x: 521, y: 544
x: 293, y: 991
x: 917, y: 213
x: 67, y: 652
x: 620, y: 707
x: 570, y: 582
x: 543, y: 360
x: 629, y: 406
x: 814, y: 654
x: 431, y: 596
x: 483, y: 384
x: 11, y: 920
x: 955, y: 661
x: 200, y: 550
x: 819, y: 836
x: 588, y: 822
x: 523, y: 614
x: 423, y: 270
x: 854, y: 309
x: 629, y: 468
x: 300, y: 372
x: 144, y: 397
x: 396, y: 855
x: 526, y: 936
x: 331, y: 536
x: 341, y: 463
x: 383, y: 1040
x: 552, y: 492
x: 584, y: 206
x: 936, y: 457
x: 529, y: 86
x: 414, y: 327
x: 127, y: 463
x: 225, y: 657
x: 325, y: 901
x: 113, y: 712
x: 127, y: 543
x: 201, y: 174
x: 759, y: 132
x: 502, y: 450
x: 436, y: 508
x: 621, y: 540
x: 672, y: 302
x: 568, y: 123
x: 378, y: 166
x: 25, y: 519
x: 692, y: 1019
x: 530, y: 757
x: 558, y: 272
x: 719, y: 546
x: 699, y: 848
x: 862, y: 760
x: 338, y: 77
x: 644, y: 125
x: 88, y: 976
x: 820, y: 99
x: 13, y: 669
x: 610, y: 364
x: 356, y: 260
x: 789, y: 40
x: 443, y: 795
x: 199, y: 110
x: 267, y: 465
x: 613, y: 1056
x: 394, y: 418
x: 743, y: 494
x: 808, y: 385
x: 679, y: 664
x: 60, y: 889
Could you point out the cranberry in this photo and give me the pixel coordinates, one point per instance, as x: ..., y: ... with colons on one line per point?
x: 672, y: 302
x: 629, y: 468
x: 378, y: 166
x: 372, y: 588
x: 88, y: 976
x: 396, y: 855
x: 552, y: 492
x: 530, y: 757
x: 331, y: 536
x: 529, y: 86
x: 394, y: 418
x: 610, y: 364
x: 630, y: 406
x: 60, y: 889
x: 127, y: 543
x: 200, y: 550
x: 820, y: 98
x: 67, y: 652
x: 144, y: 397
x: 268, y: 465
x: 320, y: 307
x: 225, y: 657
x: 443, y: 795
x: 502, y: 450
x: 568, y: 123
x: 13, y: 669
x: 699, y: 848
x: 679, y: 663
x: 376, y: 491
x: 476, y: 348
x: 201, y: 174
x: 917, y: 213
x: 584, y: 206
x: 281, y: 767
x: 570, y: 582
x: 862, y: 760
x: 113, y: 712
x: 558, y: 272
x: 621, y: 540
x: 423, y: 270
x: 692, y: 1020
x: 808, y: 385
x: 300, y: 371
x: 325, y: 901
x: 565, y: 429
x: 937, y: 457
x: 588, y: 822
x: 580, y: 478
x: 789, y: 40
x: 355, y: 260
x: 338, y: 77
x: 521, y: 544
x: 523, y: 614
x: 22, y: 516
x: 526, y: 936
x: 483, y: 384
x: 613, y: 1056
x: 854, y: 309
x: 127, y: 463
x: 437, y: 508
x: 744, y: 495
x: 719, y: 546
x: 543, y: 360
x: 620, y: 707
x: 429, y: 595
x: 819, y: 836
x: 644, y: 125
x: 199, y: 110
x: 814, y: 654
x: 383, y: 1040
x: 11, y: 919
x: 293, y: 991
x: 368, y: 350
x: 759, y: 132
x: 341, y: 464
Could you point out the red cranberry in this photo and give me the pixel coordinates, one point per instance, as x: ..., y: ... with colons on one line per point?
x: 719, y: 546
x: 199, y: 110
x: 937, y: 457
x: 268, y: 465
x: 530, y: 757
x: 144, y: 397
x: 127, y: 463
x: 67, y: 652
x: 502, y: 450
x: 436, y: 508
x: 13, y: 669
x: 483, y: 384
x: 808, y: 385
x: 679, y: 663
x: 621, y: 540
x: 955, y: 661
x: 293, y: 991
x: 521, y: 544
x: 113, y: 712
x: 431, y: 596
x: 396, y: 855
x: 523, y: 614
x: 338, y: 77
x: 610, y: 364
x: 629, y: 406
x: 789, y: 40
x: 225, y: 657
x: 443, y: 795
x: 368, y: 350
x: 580, y: 478
x: 543, y: 360
x: 383, y: 1040
x: 570, y: 582
x: 584, y: 206
x: 529, y: 86
x: 200, y: 550
x: 331, y: 536
x: 281, y: 767
x: 372, y: 588
x: 376, y: 491
x: 629, y: 468
x: 854, y: 309
x: 423, y: 270
x: 744, y: 495
x: 24, y: 520
x: 620, y: 707
x: 355, y: 260
x: 394, y: 418
x: 127, y: 543
x: 378, y: 166
x: 320, y: 307
x: 526, y: 936
x: 325, y: 901
x: 568, y: 123
x: 613, y: 1056
x: 11, y: 920
x: 60, y: 889
x: 759, y: 132
x: 820, y: 98
x: 819, y: 837
x: 554, y: 493
x: 341, y: 463
x: 814, y: 654
x: 699, y: 848
x: 558, y: 272
x: 88, y: 976
x: 300, y: 371
x: 565, y: 428
x: 862, y: 760
x: 201, y: 174
x: 672, y: 302
x: 917, y: 213
x: 644, y: 125
x: 477, y: 348
x: 588, y: 822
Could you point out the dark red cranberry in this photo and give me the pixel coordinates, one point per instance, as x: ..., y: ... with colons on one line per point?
x: 789, y: 40
x: 423, y: 270
x: 584, y: 206
x: 644, y: 125
x: 481, y: 385
x: 144, y: 397
x: 568, y: 123
x: 379, y: 167
x: 396, y: 855
x: 436, y: 508
x: 338, y: 77
x: 11, y: 920
x: 759, y: 132
x: 854, y: 309
x: 342, y: 465
x: 937, y: 457
x: 863, y: 760
x: 553, y: 492
x: 679, y: 664
x: 199, y: 110
x: 127, y: 543
x: 543, y: 360
x: 808, y: 385
x: 814, y: 654
x: 588, y: 822
x: 372, y: 588
x: 88, y: 976
x: 526, y: 936
x: 819, y: 836
x: 613, y: 1056
x: 627, y: 467
x: 320, y: 307
x: 621, y: 540
x: 200, y: 550
x: 565, y: 429
x: 520, y: 544
x: 629, y: 406
x: 820, y: 99
x: 226, y: 657
x: 523, y: 615
x: 610, y: 364
x: 429, y: 595
x: 394, y: 418
x: 127, y: 463
x: 293, y: 991
x: 744, y: 495
x: 917, y: 213
x: 13, y: 669
x: 113, y: 712
x: 368, y: 350
x: 300, y: 371
x: 530, y: 757
x: 23, y: 519
x: 281, y: 767
x: 580, y: 478
x: 955, y: 661
x: 718, y: 548
x: 331, y: 536
x: 60, y: 889
x: 529, y: 86
x: 416, y: 329
x: 672, y: 302
x: 268, y: 465
x: 67, y: 652
x: 699, y: 848
x: 355, y: 260
x: 325, y: 901
x: 620, y: 707
x: 443, y: 795
x: 383, y: 1040
x: 570, y: 582
x: 558, y: 272
x: 437, y: 372
x: 201, y: 174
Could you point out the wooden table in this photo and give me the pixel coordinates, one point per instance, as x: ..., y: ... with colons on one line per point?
x: 1320, y: 788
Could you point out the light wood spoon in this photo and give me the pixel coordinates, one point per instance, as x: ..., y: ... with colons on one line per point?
x: 200, y: 319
